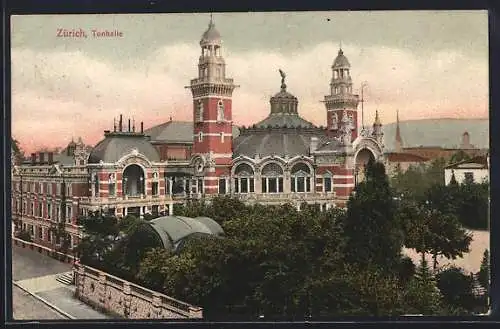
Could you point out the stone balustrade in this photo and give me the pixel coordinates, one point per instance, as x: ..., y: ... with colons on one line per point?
x: 124, y: 299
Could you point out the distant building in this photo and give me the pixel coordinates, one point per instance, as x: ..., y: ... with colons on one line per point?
x: 475, y: 170
x: 404, y: 157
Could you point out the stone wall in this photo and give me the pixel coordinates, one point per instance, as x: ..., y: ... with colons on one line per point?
x: 124, y: 299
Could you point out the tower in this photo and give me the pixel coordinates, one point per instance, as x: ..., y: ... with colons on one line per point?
x: 212, y: 111
x: 377, y: 129
x: 341, y: 101
x: 399, y: 141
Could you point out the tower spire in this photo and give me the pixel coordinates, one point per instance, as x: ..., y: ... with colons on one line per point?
x: 211, y: 19
x: 399, y: 140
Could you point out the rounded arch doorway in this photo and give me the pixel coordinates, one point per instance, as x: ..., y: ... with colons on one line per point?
x: 362, y: 158
x: 133, y: 181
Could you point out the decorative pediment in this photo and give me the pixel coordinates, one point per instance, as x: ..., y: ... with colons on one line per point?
x: 301, y: 173
x: 134, y: 157
x: 55, y: 170
x: 328, y: 173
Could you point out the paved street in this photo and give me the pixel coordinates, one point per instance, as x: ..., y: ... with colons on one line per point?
x: 35, y: 273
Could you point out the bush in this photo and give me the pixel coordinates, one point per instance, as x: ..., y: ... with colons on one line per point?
x: 24, y: 235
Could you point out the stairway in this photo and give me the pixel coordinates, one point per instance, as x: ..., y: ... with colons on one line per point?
x: 65, y: 278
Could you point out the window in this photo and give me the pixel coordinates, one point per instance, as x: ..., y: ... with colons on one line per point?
x: 244, y: 179
x: 68, y: 214
x: 168, y: 186
x: 272, y: 178
x: 468, y: 177
x: 222, y: 137
x: 300, y: 180
x: 327, y: 184
x: 154, y: 188
x: 112, y: 185
x: 40, y: 232
x: 49, y: 211
x: 96, y: 185
x: 69, y: 189
x: 200, y: 185
x: 220, y: 110
x: 58, y: 189
x: 49, y: 188
x: 200, y: 136
x: 41, y: 188
x: 222, y: 186
x: 32, y: 209
x: 199, y: 111
x: 49, y: 236
x: 58, y: 213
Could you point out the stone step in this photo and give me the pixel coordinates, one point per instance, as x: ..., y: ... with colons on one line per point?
x: 65, y: 278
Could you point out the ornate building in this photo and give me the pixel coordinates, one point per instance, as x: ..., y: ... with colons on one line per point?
x: 283, y: 158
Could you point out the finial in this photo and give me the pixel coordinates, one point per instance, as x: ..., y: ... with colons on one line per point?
x: 283, y: 76
x: 211, y: 19
x: 377, y: 119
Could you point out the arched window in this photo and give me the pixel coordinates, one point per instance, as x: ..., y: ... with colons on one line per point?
x: 200, y: 136
x: 335, y: 121
x: 327, y: 182
x: 272, y: 178
x: 112, y: 185
x: 155, y: 185
x: 244, y: 179
x: 220, y: 110
x: 300, y: 180
x: 199, y: 111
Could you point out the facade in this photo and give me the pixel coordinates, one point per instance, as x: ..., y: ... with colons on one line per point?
x: 475, y: 170
x: 283, y: 158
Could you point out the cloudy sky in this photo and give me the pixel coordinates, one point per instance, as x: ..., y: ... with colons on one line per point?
x: 426, y: 64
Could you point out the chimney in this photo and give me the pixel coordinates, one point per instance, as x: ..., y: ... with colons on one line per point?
x: 33, y: 158
x: 128, y: 125
x: 50, y: 157
x: 313, y: 144
x: 120, y: 123
x: 142, y: 127
x: 42, y: 157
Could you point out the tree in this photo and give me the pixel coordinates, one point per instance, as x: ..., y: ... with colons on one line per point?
x: 18, y: 152
x: 459, y: 156
x: 421, y: 295
x: 431, y: 231
x: 456, y: 288
x: 484, y: 271
x: 372, y: 233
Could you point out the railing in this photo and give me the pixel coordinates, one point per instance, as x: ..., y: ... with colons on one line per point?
x: 124, y: 290
x: 44, y: 250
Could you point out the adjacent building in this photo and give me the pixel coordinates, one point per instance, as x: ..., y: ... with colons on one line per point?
x: 475, y: 170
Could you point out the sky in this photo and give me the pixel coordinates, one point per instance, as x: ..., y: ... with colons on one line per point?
x: 428, y: 64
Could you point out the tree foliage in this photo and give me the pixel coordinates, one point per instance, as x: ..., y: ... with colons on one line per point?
x: 456, y: 288
x: 372, y: 232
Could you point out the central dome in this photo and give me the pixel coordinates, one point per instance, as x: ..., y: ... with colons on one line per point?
x: 115, y: 145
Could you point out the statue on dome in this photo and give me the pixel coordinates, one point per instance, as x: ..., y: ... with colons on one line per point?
x: 283, y: 76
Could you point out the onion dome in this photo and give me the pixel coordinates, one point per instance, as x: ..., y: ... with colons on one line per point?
x: 341, y: 61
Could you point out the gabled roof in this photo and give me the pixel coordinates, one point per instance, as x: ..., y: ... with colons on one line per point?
x: 479, y: 162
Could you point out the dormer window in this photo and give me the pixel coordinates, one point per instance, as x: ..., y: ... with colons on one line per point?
x: 220, y: 111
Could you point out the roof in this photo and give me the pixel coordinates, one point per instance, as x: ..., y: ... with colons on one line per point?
x: 444, y: 133
x: 284, y: 120
x: 174, y: 229
x: 405, y: 157
x: 341, y: 60
x: 279, y: 141
x: 115, y: 145
x: 176, y: 132
x: 479, y: 162
x: 211, y: 34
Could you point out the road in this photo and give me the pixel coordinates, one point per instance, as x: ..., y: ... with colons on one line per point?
x: 35, y: 274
